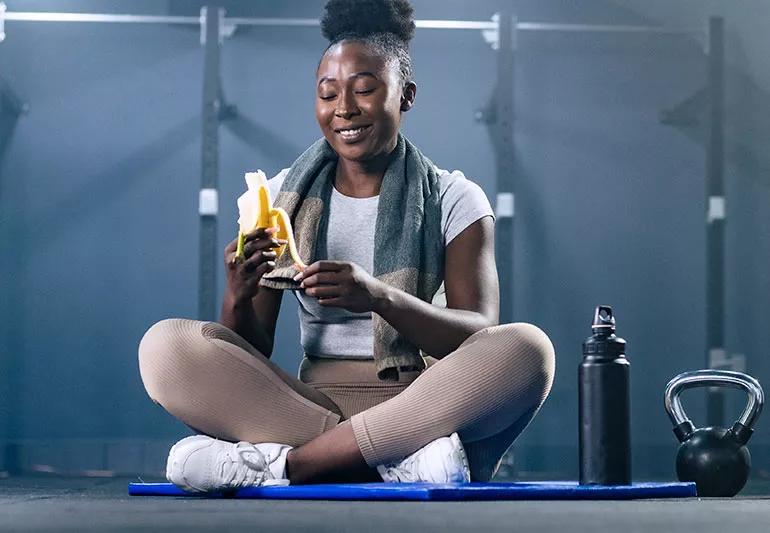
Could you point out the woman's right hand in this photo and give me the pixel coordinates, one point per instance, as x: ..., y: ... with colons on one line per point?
x: 243, y: 274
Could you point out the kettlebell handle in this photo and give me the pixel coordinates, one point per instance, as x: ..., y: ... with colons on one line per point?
x: 683, y: 426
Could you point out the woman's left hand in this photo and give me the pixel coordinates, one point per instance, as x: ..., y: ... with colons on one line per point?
x: 342, y: 284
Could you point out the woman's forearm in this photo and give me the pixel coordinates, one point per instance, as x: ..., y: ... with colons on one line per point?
x: 240, y: 317
x: 437, y: 331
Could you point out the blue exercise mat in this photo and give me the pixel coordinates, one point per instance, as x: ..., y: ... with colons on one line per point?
x: 540, y: 490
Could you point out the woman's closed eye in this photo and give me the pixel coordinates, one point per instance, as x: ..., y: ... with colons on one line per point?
x: 357, y: 91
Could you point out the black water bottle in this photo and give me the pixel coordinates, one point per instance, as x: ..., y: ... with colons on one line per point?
x: 605, y: 433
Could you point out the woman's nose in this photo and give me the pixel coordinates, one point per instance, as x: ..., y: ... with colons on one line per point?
x: 346, y: 106
x: 344, y: 113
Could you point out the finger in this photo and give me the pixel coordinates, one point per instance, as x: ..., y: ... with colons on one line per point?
x: 324, y: 291
x: 308, y: 271
x: 261, y: 233
x: 321, y: 278
x: 332, y: 302
x: 333, y: 266
x: 253, y: 262
x: 259, y: 273
x: 262, y: 244
x: 265, y: 267
x: 231, y: 247
x: 319, y: 266
x: 253, y: 246
x: 262, y: 269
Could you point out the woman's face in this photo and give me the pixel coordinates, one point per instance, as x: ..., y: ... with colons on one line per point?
x: 359, y: 101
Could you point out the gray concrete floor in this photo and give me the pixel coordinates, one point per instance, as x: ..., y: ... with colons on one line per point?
x: 51, y: 504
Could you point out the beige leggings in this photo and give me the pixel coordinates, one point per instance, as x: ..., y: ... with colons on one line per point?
x: 487, y: 390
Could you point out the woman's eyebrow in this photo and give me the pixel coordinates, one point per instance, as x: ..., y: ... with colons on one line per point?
x: 356, y: 75
x: 362, y: 74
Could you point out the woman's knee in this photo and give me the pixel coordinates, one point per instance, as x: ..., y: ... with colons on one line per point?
x: 167, y: 352
x: 527, y: 353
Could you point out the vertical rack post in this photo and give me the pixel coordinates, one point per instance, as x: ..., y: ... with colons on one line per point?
x: 715, y: 221
x: 503, y: 134
x: 211, y: 37
x: 11, y: 362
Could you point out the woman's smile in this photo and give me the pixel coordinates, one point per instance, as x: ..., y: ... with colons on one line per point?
x: 353, y: 134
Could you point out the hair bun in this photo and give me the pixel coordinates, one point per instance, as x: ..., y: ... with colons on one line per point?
x: 345, y: 19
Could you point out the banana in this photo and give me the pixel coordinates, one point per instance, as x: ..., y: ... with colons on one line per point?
x: 256, y: 210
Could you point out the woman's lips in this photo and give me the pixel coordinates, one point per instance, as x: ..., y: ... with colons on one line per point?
x: 352, y: 135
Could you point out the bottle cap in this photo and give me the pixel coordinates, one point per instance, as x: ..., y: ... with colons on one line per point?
x: 604, y: 342
x: 604, y: 320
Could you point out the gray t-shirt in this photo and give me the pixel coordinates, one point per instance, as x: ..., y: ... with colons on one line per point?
x: 338, y: 333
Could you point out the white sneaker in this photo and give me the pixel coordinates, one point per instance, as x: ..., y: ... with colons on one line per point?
x: 204, y: 464
x: 440, y: 461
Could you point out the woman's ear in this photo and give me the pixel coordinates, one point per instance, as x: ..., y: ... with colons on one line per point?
x: 408, y: 95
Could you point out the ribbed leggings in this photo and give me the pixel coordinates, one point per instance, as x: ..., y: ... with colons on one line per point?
x: 487, y: 390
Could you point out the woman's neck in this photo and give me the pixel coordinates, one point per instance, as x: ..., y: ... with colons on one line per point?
x: 361, y: 179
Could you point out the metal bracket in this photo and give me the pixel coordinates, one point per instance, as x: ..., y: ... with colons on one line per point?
x: 488, y: 113
x: 716, y: 209
x: 720, y: 359
x: 3, y: 9
x: 505, y: 205
x: 208, y: 202
x: 492, y: 37
x: 226, y: 29
x: 225, y: 111
x: 689, y: 112
x: 11, y: 101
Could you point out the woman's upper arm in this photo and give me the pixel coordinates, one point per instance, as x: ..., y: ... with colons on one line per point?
x: 266, y: 305
x: 470, y: 274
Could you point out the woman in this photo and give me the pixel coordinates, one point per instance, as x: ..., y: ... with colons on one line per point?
x: 380, y: 227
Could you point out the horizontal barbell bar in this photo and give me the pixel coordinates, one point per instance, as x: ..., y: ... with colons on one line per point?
x: 248, y: 21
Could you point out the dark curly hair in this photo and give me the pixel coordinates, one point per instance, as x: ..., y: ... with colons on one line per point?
x: 385, y: 25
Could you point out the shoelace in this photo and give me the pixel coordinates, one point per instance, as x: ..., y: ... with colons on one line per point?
x: 402, y: 476
x: 404, y: 471
x: 244, y: 465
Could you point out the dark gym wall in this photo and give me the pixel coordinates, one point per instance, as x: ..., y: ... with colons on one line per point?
x: 99, y: 225
x: 747, y: 175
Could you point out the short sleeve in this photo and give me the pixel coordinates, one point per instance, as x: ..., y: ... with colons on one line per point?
x: 463, y: 202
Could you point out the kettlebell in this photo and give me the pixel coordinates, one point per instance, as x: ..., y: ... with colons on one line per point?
x: 715, y: 458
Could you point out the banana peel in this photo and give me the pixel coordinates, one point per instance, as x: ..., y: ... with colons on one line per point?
x: 255, y: 209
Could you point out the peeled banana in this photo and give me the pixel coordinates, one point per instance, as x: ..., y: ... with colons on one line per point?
x: 255, y: 209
